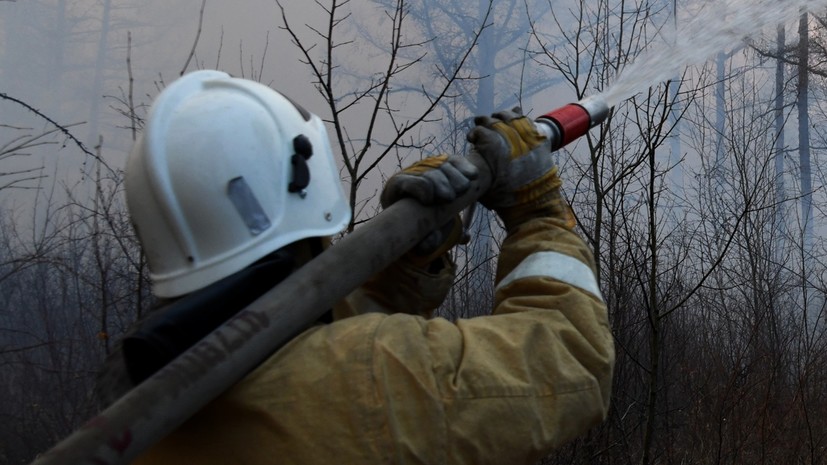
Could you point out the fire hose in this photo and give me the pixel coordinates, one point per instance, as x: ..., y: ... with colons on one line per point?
x: 159, y: 405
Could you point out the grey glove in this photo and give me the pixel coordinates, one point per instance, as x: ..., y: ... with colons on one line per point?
x: 431, y: 181
x: 525, y: 182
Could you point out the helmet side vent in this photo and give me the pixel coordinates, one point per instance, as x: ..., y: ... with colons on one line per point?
x: 247, y: 205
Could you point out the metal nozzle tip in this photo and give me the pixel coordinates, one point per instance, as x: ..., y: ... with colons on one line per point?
x: 596, y: 107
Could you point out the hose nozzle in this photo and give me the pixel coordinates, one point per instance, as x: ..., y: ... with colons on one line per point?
x: 572, y: 121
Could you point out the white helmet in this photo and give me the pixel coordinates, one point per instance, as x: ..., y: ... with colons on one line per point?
x: 227, y: 171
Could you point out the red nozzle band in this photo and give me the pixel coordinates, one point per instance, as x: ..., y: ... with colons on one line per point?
x: 573, y: 121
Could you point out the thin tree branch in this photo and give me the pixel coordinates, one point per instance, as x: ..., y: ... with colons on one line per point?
x: 197, y: 37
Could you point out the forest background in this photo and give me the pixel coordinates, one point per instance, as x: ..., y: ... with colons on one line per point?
x: 703, y: 196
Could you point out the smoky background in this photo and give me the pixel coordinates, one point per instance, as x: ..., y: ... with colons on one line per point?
x: 701, y: 196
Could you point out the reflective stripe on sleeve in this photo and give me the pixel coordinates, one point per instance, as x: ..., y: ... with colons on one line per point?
x: 558, y: 266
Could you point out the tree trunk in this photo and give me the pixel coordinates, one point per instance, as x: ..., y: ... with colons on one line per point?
x: 58, y: 46
x: 100, y: 65
x: 481, y: 248
x: 804, y: 134
x: 654, y: 318
x: 675, y: 138
x: 779, y: 141
x: 720, y: 114
x: 808, y: 264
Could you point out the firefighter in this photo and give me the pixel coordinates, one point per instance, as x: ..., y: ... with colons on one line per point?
x: 233, y: 186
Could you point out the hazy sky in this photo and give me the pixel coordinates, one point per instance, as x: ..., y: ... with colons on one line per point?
x: 55, y: 57
x: 49, y: 50
x: 162, y: 37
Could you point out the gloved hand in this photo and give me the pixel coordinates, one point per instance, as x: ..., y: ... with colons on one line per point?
x: 525, y: 183
x: 432, y: 181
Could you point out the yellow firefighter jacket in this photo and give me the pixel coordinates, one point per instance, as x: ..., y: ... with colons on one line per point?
x: 382, y: 387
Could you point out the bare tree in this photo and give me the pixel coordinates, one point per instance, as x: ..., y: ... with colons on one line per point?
x: 379, y: 130
x: 16, y: 147
x: 656, y: 264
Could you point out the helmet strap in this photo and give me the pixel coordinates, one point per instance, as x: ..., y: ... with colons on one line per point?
x: 173, y: 328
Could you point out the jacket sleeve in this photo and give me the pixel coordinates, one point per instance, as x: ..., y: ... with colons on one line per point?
x: 510, y: 387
